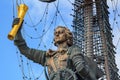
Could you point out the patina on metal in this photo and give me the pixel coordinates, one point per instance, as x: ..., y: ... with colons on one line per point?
x: 66, y: 63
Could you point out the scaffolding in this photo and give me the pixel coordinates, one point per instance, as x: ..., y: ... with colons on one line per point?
x: 92, y: 33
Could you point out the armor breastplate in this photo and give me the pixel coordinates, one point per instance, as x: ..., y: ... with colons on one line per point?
x: 57, y: 61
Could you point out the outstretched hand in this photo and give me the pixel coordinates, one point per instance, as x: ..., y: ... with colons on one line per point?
x: 16, y: 21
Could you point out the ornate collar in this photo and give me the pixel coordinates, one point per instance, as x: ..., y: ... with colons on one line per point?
x: 60, y: 51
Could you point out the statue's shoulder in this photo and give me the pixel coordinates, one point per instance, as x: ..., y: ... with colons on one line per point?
x: 73, y: 49
x: 74, y: 46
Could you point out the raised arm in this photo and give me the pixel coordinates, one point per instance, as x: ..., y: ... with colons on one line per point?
x: 37, y: 56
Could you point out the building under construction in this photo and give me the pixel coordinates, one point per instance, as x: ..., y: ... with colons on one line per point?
x: 92, y: 33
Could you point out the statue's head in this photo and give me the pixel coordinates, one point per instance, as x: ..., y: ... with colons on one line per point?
x: 61, y: 35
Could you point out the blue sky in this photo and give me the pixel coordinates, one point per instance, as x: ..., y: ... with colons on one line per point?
x: 9, y: 62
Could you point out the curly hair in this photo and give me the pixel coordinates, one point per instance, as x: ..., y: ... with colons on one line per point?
x: 69, y: 36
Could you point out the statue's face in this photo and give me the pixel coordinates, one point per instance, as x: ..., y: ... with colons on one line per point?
x: 60, y: 35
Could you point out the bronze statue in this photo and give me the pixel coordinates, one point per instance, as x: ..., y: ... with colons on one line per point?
x: 66, y: 63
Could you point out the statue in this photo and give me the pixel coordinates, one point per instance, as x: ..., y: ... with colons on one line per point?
x: 66, y: 63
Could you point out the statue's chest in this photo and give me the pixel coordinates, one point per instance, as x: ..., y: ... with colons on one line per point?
x: 58, y: 61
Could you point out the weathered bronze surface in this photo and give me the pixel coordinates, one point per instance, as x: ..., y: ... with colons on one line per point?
x: 66, y: 63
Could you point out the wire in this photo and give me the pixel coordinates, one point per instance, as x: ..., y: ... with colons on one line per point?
x: 39, y: 22
x: 22, y: 67
x: 17, y: 3
x: 39, y: 75
x: 44, y: 16
x: 60, y: 15
x: 70, y: 2
x: 22, y: 1
x: 35, y: 25
x: 19, y: 63
x: 28, y: 64
x: 44, y: 32
x: 117, y: 43
x: 31, y: 37
x: 114, y: 14
x: 115, y: 10
x: 119, y: 37
x: 13, y: 9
